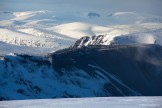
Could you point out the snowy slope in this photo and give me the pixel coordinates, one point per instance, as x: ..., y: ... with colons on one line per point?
x: 7, y: 48
x: 100, y: 102
x: 23, y: 39
x: 19, y: 30
x: 94, y: 71
x: 147, y: 33
x: 57, y: 30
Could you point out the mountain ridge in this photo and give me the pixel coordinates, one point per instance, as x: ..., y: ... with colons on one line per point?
x: 91, y: 71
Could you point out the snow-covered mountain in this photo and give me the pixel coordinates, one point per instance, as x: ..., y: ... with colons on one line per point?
x: 52, y: 30
x: 125, y: 34
x: 92, y: 71
x: 137, y: 38
x: 76, y: 48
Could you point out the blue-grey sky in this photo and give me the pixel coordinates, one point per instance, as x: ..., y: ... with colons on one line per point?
x: 142, y: 6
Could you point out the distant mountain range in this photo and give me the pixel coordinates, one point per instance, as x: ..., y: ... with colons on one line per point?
x: 44, y: 31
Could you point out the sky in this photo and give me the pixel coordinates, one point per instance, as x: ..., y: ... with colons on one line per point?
x: 141, y: 6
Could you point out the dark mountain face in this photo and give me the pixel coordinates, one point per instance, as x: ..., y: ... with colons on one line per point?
x: 121, y: 70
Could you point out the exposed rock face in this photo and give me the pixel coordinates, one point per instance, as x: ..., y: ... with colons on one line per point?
x: 94, y: 40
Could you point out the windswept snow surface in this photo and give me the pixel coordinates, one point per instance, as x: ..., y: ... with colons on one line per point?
x: 104, y: 102
x: 49, y: 29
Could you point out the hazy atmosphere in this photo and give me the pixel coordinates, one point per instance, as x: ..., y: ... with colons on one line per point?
x: 140, y: 6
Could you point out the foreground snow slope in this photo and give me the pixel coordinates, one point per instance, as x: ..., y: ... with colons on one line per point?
x: 107, y: 102
x: 93, y: 71
x: 57, y: 30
